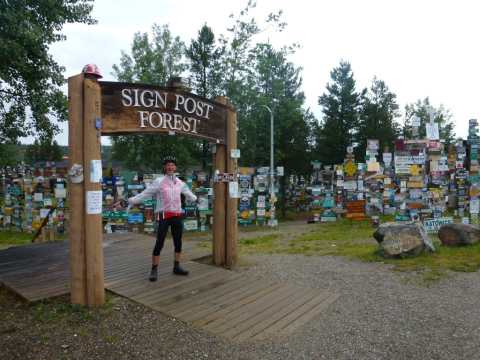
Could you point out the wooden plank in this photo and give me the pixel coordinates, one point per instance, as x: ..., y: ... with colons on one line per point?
x: 173, y: 297
x: 234, y: 318
x: 78, y: 272
x: 172, y: 282
x: 136, y: 286
x: 273, y: 314
x: 140, y: 275
x: 36, y: 280
x: 183, y: 285
x: 211, y: 305
x: 203, y: 320
x: 208, y: 298
x: 302, y: 313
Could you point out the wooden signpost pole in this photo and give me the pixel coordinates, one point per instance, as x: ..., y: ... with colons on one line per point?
x: 231, y: 221
x: 93, y: 193
x: 78, y: 283
x: 219, y: 189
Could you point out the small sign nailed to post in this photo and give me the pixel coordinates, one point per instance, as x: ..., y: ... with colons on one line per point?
x: 235, y: 153
x: 225, y: 177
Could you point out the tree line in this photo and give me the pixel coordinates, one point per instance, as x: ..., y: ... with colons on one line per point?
x: 235, y: 64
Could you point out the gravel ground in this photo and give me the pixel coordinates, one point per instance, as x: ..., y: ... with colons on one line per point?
x: 380, y: 314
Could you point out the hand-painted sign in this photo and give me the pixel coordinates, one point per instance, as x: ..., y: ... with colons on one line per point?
x: 225, y: 177
x: 143, y: 108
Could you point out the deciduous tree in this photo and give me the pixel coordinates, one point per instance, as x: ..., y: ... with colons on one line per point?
x: 31, y: 99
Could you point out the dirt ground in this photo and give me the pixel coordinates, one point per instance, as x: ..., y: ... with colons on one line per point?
x: 380, y: 314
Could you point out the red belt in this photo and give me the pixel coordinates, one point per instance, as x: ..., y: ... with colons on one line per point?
x: 169, y: 214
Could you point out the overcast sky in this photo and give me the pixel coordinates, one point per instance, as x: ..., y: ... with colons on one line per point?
x: 419, y: 48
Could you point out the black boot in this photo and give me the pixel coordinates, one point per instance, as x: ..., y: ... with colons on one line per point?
x: 178, y: 270
x: 153, y: 273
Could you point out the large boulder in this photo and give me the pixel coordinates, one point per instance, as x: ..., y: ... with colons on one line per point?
x: 459, y: 234
x: 398, y: 239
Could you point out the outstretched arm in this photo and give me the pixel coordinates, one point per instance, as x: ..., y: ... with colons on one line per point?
x: 150, y: 191
x: 188, y: 193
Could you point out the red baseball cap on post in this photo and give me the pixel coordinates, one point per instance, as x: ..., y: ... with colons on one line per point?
x: 92, y: 69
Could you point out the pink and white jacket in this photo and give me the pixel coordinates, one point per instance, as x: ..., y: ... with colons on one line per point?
x: 167, y: 190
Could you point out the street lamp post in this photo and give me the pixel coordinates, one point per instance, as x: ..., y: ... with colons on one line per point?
x: 272, y: 190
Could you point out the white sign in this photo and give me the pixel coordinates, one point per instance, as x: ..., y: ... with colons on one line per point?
x: 410, y: 159
x: 280, y: 171
x: 443, y: 164
x: 432, y: 131
x: 260, y: 212
x: 202, y: 203
x: 95, y: 171
x: 403, y: 162
x: 60, y: 193
x: 373, y: 144
x: 433, y: 225
x: 360, y: 185
x: 94, y: 202
x: 387, y: 158
x: 233, y: 190
x: 350, y: 185
x: 474, y: 206
x: 190, y: 225
x: 44, y: 213
x: 235, y: 153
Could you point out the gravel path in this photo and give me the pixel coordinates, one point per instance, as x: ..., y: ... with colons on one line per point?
x: 379, y: 315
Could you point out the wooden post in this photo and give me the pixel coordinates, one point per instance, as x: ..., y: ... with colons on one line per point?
x: 78, y: 282
x: 231, y: 221
x: 219, y: 190
x: 93, y: 220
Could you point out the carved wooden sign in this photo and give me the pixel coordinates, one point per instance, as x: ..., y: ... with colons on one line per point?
x: 138, y: 108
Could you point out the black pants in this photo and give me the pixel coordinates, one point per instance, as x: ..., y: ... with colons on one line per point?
x: 176, y: 225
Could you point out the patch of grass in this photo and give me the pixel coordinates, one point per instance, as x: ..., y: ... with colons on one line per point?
x: 355, y: 240
x: 205, y: 244
x: 265, y: 244
x: 341, y: 238
x: 459, y: 259
x: 13, y: 238
x: 251, y: 228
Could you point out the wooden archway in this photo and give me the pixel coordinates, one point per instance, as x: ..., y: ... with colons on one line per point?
x: 106, y: 108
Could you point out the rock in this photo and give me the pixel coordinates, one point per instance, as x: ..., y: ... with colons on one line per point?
x: 397, y: 239
x: 459, y: 234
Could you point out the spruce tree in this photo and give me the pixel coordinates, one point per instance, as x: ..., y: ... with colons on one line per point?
x: 340, y: 107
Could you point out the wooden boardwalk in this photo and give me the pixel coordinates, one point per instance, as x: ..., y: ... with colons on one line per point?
x: 220, y: 301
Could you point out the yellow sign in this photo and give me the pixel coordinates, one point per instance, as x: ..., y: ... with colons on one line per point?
x: 350, y: 168
x: 415, y: 170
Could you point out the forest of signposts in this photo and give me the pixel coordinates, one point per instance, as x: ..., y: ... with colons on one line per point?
x: 361, y: 157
